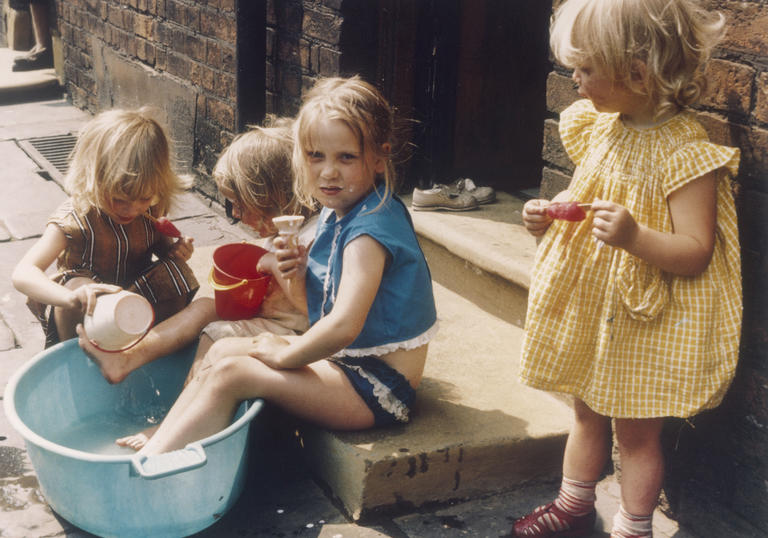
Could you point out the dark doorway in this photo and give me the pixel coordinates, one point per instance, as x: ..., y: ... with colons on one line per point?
x: 250, y: 57
x: 472, y: 76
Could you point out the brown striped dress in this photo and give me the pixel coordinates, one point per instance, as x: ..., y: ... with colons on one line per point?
x: 132, y: 256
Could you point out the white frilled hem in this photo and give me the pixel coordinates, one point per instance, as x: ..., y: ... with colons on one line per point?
x: 378, y: 351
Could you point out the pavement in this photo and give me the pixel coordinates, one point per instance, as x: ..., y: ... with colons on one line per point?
x: 281, y: 497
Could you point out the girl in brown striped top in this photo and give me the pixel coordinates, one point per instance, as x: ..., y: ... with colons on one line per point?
x: 101, y: 237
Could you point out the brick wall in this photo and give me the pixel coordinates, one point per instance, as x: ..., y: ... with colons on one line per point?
x: 182, y: 56
x: 723, y: 460
x: 185, y: 51
x: 303, y: 43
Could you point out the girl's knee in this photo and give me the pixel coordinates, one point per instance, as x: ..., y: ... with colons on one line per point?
x: 585, y: 416
x: 634, y: 435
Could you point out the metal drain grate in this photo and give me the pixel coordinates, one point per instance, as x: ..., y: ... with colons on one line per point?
x: 51, y: 153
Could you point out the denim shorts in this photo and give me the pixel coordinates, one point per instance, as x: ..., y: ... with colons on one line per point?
x: 385, y: 391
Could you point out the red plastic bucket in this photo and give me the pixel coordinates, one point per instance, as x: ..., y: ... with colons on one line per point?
x: 238, y: 287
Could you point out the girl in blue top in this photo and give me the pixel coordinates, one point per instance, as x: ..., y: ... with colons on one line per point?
x: 364, y: 281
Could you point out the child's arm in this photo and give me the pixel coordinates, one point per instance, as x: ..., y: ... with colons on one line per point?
x: 30, y: 279
x: 687, y: 250
x: 364, y: 260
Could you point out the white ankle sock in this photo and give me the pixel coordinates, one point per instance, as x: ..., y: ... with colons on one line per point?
x: 629, y: 525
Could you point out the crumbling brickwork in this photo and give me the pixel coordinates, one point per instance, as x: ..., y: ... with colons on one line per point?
x: 723, y: 460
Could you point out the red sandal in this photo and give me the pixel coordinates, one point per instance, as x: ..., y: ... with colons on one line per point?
x: 534, y: 525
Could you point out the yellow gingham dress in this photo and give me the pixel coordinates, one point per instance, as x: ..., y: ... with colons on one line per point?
x: 626, y: 338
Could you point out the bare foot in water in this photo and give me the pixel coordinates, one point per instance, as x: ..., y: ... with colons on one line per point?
x: 138, y: 440
x: 114, y: 366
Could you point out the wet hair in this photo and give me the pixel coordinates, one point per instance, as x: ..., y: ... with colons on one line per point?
x: 256, y: 168
x: 123, y: 153
x: 673, y: 38
x: 362, y: 108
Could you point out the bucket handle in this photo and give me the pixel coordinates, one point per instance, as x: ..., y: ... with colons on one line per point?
x: 178, y: 461
x: 224, y: 287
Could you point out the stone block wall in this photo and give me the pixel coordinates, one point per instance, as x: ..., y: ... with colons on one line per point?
x: 719, y: 459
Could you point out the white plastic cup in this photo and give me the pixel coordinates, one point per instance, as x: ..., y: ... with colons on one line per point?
x: 119, y: 320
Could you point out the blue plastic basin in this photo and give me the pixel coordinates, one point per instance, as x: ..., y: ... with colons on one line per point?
x: 69, y: 417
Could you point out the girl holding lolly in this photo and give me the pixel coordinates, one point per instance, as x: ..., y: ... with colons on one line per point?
x: 103, y: 237
x: 635, y: 310
x: 364, y: 283
x: 255, y: 174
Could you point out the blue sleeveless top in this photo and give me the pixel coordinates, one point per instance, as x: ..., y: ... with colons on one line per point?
x: 403, y: 314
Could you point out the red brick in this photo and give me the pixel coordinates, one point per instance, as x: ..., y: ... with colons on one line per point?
x: 209, y: 79
x: 221, y: 113
x: 178, y: 65
x: 323, y: 26
x: 746, y: 24
x: 212, y: 24
x: 182, y: 14
x: 226, y: 86
x: 144, y: 26
x: 729, y: 86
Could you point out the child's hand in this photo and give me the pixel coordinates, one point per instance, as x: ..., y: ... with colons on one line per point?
x: 613, y: 224
x: 182, y: 249
x: 84, y: 297
x: 291, y: 260
x: 267, y: 348
x: 535, y: 218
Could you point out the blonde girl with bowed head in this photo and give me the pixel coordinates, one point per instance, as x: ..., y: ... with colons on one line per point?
x: 254, y: 173
x: 102, y: 237
x: 635, y: 310
x: 364, y: 283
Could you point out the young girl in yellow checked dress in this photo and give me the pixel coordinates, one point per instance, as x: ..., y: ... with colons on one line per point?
x: 635, y: 310
x: 102, y: 238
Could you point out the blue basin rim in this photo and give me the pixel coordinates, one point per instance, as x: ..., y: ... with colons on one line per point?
x: 9, y: 406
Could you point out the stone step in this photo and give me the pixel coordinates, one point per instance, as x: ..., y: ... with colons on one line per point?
x: 485, y: 255
x: 475, y: 429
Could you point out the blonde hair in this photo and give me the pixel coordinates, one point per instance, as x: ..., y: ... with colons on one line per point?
x: 362, y: 108
x: 673, y: 38
x: 123, y: 153
x: 256, y: 168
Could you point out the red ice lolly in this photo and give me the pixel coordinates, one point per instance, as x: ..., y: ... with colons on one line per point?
x: 571, y: 211
x: 164, y: 226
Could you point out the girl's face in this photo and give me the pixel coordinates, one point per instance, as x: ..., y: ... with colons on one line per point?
x: 124, y: 210
x: 340, y: 175
x: 606, y: 94
x: 257, y: 219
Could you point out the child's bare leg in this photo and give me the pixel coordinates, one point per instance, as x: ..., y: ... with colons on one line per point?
x: 642, y: 463
x: 67, y: 319
x: 137, y: 441
x: 588, y: 445
x: 572, y: 513
x: 164, y: 338
x: 319, y: 392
